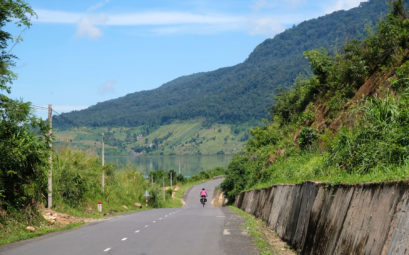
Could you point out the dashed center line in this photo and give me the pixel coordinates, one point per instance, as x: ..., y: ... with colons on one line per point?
x: 137, y: 231
x: 146, y: 226
x: 124, y: 239
x: 154, y: 221
x: 107, y: 249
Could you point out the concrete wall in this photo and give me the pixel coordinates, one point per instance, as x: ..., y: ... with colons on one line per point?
x: 316, y: 218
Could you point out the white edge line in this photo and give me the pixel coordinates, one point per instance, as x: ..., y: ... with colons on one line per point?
x: 124, y: 239
x: 107, y: 249
x: 137, y: 231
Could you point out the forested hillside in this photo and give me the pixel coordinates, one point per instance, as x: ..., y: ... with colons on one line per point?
x: 234, y: 94
x: 347, y: 123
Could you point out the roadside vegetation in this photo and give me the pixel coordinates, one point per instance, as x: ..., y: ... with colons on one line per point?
x: 267, y: 242
x: 347, y: 123
x: 77, y: 190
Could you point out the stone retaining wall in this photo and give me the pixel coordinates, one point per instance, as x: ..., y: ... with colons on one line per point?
x: 316, y: 218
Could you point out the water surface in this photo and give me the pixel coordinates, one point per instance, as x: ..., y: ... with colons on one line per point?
x: 187, y: 165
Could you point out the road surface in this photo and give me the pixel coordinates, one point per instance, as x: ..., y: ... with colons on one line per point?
x: 188, y: 230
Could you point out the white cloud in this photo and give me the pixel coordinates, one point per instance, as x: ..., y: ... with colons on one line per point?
x: 86, y: 27
x: 107, y: 87
x: 265, y: 26
x: 269, y: 4
x: 263, y: 4
x: 49, y: 16
x: 98, y: 5
x: 171, y: 22
x: 343, y: 5
x: 167, y: 18
x: 135, y: 19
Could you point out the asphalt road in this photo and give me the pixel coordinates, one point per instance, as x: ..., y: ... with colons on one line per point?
x: 188, y: 230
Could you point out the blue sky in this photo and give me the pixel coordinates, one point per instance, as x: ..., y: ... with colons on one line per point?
x: 78, y: 52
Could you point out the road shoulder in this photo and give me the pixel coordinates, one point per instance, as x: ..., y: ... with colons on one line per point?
x: 236, y: 240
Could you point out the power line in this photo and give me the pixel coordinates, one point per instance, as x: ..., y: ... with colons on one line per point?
x: 37, y: 107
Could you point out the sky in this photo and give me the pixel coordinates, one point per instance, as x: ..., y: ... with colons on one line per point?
x: 81, y: 52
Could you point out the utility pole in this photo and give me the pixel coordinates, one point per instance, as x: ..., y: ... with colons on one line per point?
x: 50, y: 159
x: 171, y: 180
x: 163, y: 185
x: 103, y: 163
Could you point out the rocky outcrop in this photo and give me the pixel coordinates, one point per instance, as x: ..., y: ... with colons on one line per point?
x: 317, y: 218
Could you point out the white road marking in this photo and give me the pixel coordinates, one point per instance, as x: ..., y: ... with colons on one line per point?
x: 107, y: 249
x: 244, y: 233
x: 226, y: 232
x: 146, y: 226
x: 124, y: 239
x: 166, y: 216
x: 160, y: 218
x: 137, y: 231
x: 154, y: 221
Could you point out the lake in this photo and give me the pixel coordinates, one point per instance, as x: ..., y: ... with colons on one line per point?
x: 188, y: 165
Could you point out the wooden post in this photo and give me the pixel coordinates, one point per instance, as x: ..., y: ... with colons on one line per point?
x: 50, y: 159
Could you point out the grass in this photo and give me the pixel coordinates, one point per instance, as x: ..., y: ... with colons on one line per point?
x: 16, y: 231
x: 310, y: 166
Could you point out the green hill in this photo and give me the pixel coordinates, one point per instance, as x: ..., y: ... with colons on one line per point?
x: 236, y: 94
x: 181, y: 138
x: 347, y: 123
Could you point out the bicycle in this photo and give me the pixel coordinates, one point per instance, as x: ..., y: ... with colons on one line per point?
x: 203, y: 200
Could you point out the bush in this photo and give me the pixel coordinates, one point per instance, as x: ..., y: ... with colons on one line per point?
x: 155, y: 197
x: 72, y: 187
x: 23, y: 155
x: 169, y: 193
x: 236, y: 179
x: 180, y: 178
x: 307, y: 137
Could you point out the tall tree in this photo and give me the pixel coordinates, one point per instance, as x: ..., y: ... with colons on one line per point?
x: 23, y: 140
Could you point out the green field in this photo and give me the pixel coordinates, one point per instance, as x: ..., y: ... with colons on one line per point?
x: 178, y: 138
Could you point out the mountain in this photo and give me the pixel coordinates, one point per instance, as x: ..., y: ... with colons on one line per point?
x: 236, y: 94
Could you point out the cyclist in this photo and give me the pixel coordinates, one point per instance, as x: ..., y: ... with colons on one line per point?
x: 203, y: 195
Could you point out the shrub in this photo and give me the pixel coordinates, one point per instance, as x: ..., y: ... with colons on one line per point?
x: 381, y: 137
x: 307, y: 137
x: 72, y: 187
x: 180, y: 178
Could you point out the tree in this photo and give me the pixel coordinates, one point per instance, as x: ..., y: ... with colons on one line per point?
x: 23, y: 139
x: 20, y: 13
